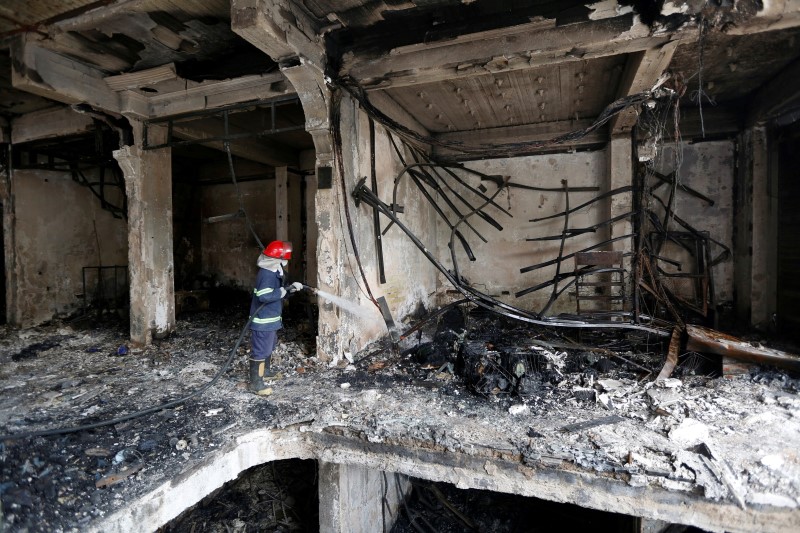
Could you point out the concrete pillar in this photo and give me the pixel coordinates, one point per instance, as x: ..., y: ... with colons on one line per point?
x: 281, y: 204
x: 620, y: 174
x: 755, y: 247
x: 148, y: 183
x: 765, y: 232
x: 351, y: 498
x: 307, y: 162
x: 9, y: 242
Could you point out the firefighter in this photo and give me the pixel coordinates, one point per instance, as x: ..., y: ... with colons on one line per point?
x: 264, y: 327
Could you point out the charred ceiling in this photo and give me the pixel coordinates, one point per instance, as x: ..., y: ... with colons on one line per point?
x: 14, y: 102
x: 733, y: 66
x: 375, y: 30
x: 135, y: 41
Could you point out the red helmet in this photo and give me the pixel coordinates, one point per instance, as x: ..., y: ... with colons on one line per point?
x: 279, y: 250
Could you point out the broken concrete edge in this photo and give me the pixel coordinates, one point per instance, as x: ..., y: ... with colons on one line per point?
x: 171, y: 498
x: 466, y: 471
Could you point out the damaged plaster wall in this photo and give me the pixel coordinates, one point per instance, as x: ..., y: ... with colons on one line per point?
x: 411, y: 279
x: 229, y: 250
x: 60, y: 228
x: 707, y: 167
x: 496, y: 270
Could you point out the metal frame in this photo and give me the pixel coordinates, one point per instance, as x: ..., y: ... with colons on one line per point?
x: 117, y: 299
x: 224, y: 112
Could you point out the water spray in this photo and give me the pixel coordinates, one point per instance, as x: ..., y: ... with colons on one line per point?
x: 356, y: 309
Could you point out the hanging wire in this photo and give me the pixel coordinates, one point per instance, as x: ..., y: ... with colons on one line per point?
x: 698, y: 95
x: 339, y: 158
x: 239, y: 196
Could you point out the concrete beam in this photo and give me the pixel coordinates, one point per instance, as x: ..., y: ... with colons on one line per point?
x: 499, y: 474
x: 216, y: 94
x: 716, y: 121
x: 773, y: 15
x: 557, y: 484
x: 316, y: 98
x: 776, y: 96
x: 142, y: 78
x: 168, y: 500
x: 642, y: 71
x: 289, y: 36
x: 514, y: 48
x: 48, y: 124
x: 39, y: 71
x: 279, y: 29
x: 252, y: 148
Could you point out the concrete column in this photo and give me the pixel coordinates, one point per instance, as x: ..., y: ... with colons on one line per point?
x: 9, y: 242
x: 148, y: 183
x: 307, y: 162
x: 281, y: 204
x: 330, y: 268
x: 351, y: 498
x: 756, y: 231
x: 337, y: 270
x: 620, y: 174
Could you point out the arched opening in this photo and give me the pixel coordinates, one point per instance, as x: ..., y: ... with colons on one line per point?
x: 275, y: 496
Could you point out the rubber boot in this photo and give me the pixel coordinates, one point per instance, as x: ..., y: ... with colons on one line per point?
x: 256, y: 380
x: 267, y: 372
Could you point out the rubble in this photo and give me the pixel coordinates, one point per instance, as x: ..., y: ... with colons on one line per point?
x: 693, y: 435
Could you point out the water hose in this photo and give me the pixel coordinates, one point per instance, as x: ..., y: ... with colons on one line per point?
x: 142, y: 412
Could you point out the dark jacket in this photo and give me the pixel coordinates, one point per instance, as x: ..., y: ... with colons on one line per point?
x: 267, y: 290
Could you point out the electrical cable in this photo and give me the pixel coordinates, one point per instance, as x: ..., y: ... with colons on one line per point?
x: 479, y: 298
x: 338, y: 155
x: 239, y: 196
x: 141, y: 412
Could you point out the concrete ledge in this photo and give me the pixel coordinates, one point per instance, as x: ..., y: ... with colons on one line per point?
x: 605, y: 492
x: 171, y: 498
x: 562, y: 483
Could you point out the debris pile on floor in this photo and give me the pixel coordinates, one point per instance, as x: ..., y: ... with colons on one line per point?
x: 473, y: 385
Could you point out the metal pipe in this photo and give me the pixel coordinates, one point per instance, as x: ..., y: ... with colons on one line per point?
x: 603, y: 196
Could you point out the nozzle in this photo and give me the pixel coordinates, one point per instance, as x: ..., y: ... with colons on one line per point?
x: 309, y: 287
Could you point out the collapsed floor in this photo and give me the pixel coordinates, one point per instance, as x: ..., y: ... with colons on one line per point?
x: 571, y: 426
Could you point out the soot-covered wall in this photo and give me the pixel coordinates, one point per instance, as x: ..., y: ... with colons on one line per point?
x: 60, y: 228
x: 496, y: 270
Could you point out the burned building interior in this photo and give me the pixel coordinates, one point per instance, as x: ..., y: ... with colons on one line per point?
x: 548, y: 251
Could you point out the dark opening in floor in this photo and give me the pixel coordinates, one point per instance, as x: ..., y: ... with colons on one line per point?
x: 277, y: 496
x: 443, y: 508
